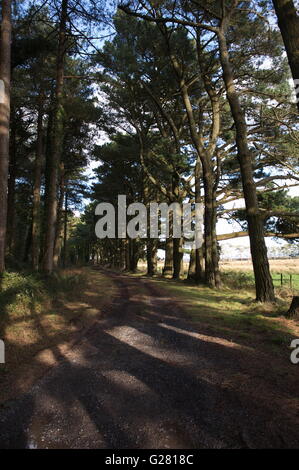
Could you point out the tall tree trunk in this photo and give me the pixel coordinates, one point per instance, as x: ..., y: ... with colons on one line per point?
x: 199, y: 268
x: 127, y: 254
x: 196, y: 265
x: 53, y: 166
x: 65, y: 231
x: 5, y: 75
x: 59, y: 221
x: 11, y: 193
x: 28, y: 241
x: 192, y: 265
x: 151, y: 244
x: 178, y: 267
x: 48, y: 150
x: 288, y: 22
x: 210, y: 176
x: 168, y: 263
x: 133, y: 255
x: 37, y: 188
x: 151, y: 256
x: 123, y: 254
x: 212, y: 277
x: 263, y: 279
x: 178, y: 243
x: 204, y: 155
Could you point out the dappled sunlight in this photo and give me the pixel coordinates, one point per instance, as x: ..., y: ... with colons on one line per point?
x: 37, y: 331
x: 233, y: 316
x: 128, y: 334
x: 149, y: 274
x: 210, y: 339
x: 128, y: 382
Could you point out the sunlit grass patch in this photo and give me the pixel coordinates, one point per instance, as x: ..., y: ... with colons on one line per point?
x: 234, y: 314
x: 38, y: 313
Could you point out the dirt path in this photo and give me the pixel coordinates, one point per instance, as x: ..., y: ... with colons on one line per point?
x: 145, y: 377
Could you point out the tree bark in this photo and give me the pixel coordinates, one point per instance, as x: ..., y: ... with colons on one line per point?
x: 294, y: 308
x: 37, y: 188
x: 212, y: 276
x: 65, y: 231
x: 196, y: 267
x: 11, y: 193
x: 168, y: 263
x: 199, y: 268
x: 133, y: 256
x: 59, y: 221
x: 263, y: 279
x: 53, y: 166
x: 127, y: 254
x: 229, y: 236
x: 192, y: 265
x: 151, y: 255
x: 27, y: 242
x: 178, y: 267
x: 5, y: 78
x: 288, y: 22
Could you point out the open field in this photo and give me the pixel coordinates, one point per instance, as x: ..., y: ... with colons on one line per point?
x: 285, y: 273
x: 289, y: 266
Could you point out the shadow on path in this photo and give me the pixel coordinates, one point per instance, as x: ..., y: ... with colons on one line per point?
x: 143, y: 377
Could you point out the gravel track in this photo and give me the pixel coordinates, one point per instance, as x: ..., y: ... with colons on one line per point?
x: 145, y: 377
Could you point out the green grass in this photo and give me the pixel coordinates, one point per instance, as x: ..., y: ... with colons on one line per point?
x: 39, y: 315
x: 26, y: 301
x: 232, y: 311
x: 245, y: 279
x: 288, y: 280
x: 233, y: 314
x: 23, y: 290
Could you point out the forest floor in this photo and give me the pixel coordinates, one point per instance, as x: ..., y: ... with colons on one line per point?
x: 162, y: 365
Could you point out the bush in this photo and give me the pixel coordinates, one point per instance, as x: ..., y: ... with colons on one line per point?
x: 237, y: 279
x: 24, y: 289
x: 64, y: 282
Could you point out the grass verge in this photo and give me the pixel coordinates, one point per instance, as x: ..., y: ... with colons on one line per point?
x: 40, y: 314
x: 233, y: 314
